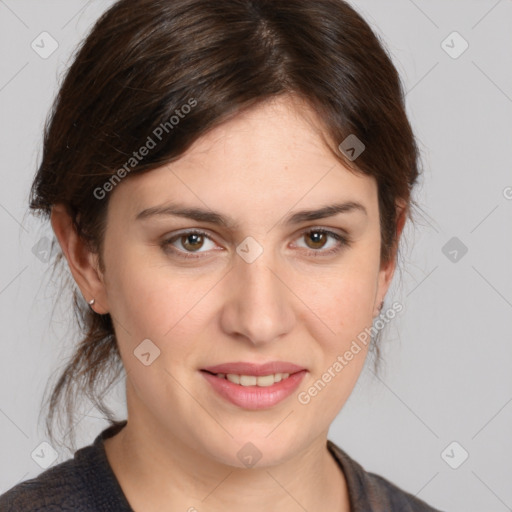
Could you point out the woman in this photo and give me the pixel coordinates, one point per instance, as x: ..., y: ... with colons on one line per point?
x: 228, y: 183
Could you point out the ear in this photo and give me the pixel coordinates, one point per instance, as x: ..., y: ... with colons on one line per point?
x: 82, y: 263
x: 387, y: 269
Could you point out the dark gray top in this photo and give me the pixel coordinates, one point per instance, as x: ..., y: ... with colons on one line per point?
x: 86, y: 483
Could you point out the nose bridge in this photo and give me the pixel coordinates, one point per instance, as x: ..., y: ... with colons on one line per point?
x: 259, y: 306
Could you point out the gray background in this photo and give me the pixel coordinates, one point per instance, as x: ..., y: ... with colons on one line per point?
x: 448, y: 353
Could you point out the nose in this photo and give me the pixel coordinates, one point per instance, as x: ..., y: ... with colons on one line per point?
x: 259, y: 305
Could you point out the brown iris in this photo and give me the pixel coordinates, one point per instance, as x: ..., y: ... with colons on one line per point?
x: 318, y: 237
x: 195, y: 237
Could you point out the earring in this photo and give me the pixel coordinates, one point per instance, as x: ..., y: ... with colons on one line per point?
x: 91, y: 302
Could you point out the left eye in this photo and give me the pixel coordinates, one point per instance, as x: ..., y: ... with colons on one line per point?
x: 193, y: 241
x: 319, y: 236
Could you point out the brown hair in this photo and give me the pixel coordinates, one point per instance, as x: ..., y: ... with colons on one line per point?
x: 144, y: 60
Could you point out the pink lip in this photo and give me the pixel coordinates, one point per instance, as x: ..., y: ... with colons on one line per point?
x: 254, y: 397
x: 245, y: 368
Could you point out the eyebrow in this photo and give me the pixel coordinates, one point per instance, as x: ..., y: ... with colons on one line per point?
x: 211, y: 217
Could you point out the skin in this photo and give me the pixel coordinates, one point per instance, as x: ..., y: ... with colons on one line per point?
x: 179, y: 448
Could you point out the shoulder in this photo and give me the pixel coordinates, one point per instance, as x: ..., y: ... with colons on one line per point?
x: 58, y: 488
x: 398, y: 499
x: 84, y: 482
x: 370, y: 492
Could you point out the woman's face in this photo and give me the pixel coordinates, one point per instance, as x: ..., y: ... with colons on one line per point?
x: 264, y: 286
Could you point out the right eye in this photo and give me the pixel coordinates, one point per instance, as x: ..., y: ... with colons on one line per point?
x: 191, y: 241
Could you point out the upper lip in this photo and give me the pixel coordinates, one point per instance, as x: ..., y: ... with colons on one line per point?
x: 247, y: 368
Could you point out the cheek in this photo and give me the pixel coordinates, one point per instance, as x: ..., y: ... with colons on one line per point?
x: 139, y: 293
x: 343, y: 299
x: 344, y: 306
x: 149, y: 303
x: 351, y: 306
x: 158, y: 303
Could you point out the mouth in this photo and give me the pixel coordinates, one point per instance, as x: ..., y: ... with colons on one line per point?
x: 252, y: 386
x: 254, y: 369
x: 261, y: 381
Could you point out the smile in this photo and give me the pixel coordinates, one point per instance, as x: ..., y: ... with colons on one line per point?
x: 253, y: 380
x: 253, y: 391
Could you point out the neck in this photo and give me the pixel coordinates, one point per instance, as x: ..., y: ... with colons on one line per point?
x: 146, y: 460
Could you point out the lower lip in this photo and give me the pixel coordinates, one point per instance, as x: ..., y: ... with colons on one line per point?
x: 255, y: 397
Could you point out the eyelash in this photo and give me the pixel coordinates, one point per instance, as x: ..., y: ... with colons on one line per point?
x: 343, y: 242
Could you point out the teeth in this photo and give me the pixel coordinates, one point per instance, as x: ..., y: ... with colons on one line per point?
x: 253, y: 380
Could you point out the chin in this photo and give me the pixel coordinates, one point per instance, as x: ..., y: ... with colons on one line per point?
x: 253, y: 450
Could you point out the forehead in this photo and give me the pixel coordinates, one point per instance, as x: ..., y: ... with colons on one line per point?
x: 269, y: 157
